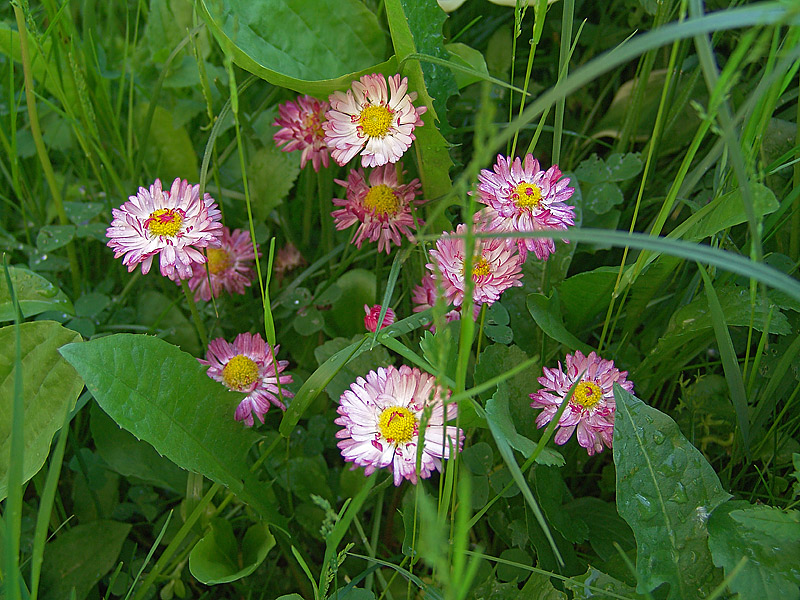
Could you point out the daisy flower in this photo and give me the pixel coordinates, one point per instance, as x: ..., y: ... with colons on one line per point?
x: 229, y: 266
x: 527, y: 199
x: 373, y: 314
x: 381, y: 417
x: 249, y: 365
x: 424, y: 296
x: 591, y: 408
x: 372, y: 120
x: 381, y: 206
x: 301, y: 129
x: 174, y: 223
x: 495, y: 267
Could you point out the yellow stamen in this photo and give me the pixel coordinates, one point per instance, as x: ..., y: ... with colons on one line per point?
x: 375, y: 121
x: 527, y: 195
x: 397, y: 424
x: 218, y: 260
x: 587, y: 394
x: 240, y: 372
x: 164, y: 221
x: 382, y: 200
x: 481, y: 267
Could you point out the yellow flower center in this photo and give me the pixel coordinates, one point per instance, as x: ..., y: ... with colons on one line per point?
x: 481, y: 267
x: 397, y: 425
x: 240, y: 372
x: 375, y: 121
x: 164, y: 221
x: 382, y: 200
x: 527, y: 195
x: 218, y: 260
x: 313, y: 123
x: 587, y: 394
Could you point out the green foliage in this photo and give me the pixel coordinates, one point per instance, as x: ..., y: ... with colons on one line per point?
x: 49, y: 389
x: 35, y: 295
x: 162, y: 396
x: 665, y: 491
x: 217, y: 558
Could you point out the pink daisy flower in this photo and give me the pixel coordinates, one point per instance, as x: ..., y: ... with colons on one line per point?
x: 373, y: 314
x: 591, y: 408
x: 301, y: 129
x: 382, y: 207
x: 424, y: 296
x: 527, y: 199
x: 381, y: 416
x: 176, y: 224
x: 229, y: 266
x: 495, y: 267
x: 372, y: 120
x: 249, y: 365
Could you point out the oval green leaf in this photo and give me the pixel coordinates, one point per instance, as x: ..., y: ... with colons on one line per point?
x: 286, y: 42
x: 34, y: 293
x: 164, y: 397
x: 50, y: 388
x: 665, y: 491
x: 216, y: 558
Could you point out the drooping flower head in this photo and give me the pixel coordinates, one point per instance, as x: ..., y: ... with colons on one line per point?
x: 249, y: 365
x: 372, y: 120
x: 382, y: 417
x: 526, y: 199
x: 373, y: 314
x: 591, y: 409
x: 174, y: 223
x: 496, y: 266
x: 229, y: 266
x: 301, y: 129
x: 381, y: 205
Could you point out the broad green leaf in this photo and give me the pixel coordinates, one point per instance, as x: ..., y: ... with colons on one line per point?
x: 768, y: 537
x: 508, y: 572
x: 539, y: 587
x: 553, y: 494
x: 50, y: 388
x: 164, y: 397
x: 606, y: 527
x: 498, y: 411
x: 665, y: 491
x: 352, y: 594
x: 585, y: 295
x: 467, y: 57
x: 545, y: 311
x: 131, y: 457
x: 217, y: 559
x: 286, y: 43
x: 35, y: 295
x: 617, y: 167
x: 358, y: 367
x: 592, y: 585
x: 171, y: 152
x: 53, y: 237
x: 602, y: 197
x: 433, y: 156
x: 79, y: 557
x: 81, y: 212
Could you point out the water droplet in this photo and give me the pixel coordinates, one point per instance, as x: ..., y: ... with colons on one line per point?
x: 658, y: 437
x: 680, y: 496
x: 646, y: 509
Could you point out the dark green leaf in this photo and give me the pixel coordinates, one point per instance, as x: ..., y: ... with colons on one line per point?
x: 35, y: 295
x: 665, y: 491
x: 602, y: 197
x: 768, y: 537
x: 553, y: 495
x: 286, y: 42
x: 358, y: 367
x: 52, y: 237
x: 163, y: 396
x: 467, y: 57
x: 91, y: 305
x: 81, y: 212
x: 592, y: 585
x: 50, y: 388
x: 216, y: 557
x: 585, y: 295
x: 308, y: 321
x: 547, y: 315
x: 79, y: 557
x: 131, y: 457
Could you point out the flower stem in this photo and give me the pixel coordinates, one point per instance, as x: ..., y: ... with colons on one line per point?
x: 198, y: 322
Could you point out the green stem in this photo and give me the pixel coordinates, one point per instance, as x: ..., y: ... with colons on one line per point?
x: 198, y: 322
x: 794, y: 239
x: 44, y: 159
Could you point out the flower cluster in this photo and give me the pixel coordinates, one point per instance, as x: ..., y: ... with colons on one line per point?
x: 388, y: 415
x: 301, y: 129
x: 249, y: 365
x: 591, y: 408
